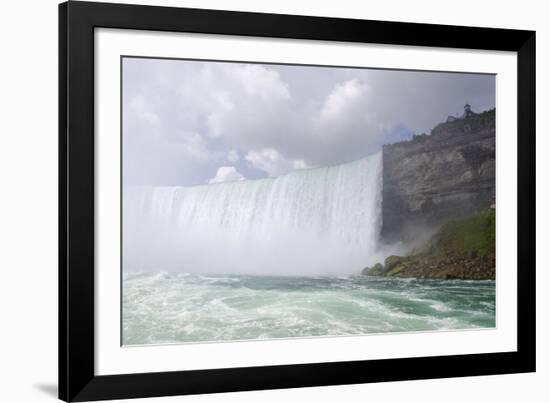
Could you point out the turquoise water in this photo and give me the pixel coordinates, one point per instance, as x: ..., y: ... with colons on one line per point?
x: 161, y: 308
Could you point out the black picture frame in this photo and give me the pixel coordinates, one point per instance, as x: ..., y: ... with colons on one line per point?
x: 77, y: 379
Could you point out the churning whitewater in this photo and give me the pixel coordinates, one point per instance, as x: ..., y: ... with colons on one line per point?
x: 322, y: 221
x: 163, y: 308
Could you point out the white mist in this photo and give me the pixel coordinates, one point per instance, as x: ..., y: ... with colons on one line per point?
x: 313, y: 222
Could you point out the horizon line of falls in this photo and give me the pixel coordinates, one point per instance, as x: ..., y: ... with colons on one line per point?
x: 312, y: 222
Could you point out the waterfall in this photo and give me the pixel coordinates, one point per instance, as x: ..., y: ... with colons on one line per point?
x: 322, y: 221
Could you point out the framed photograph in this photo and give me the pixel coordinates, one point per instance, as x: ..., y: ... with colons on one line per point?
x: 256, y: 201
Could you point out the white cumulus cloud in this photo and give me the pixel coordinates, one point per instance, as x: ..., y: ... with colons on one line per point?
x: 226, y: 174
x: 194, y: 147
x: 143, y: 110
x: 261, y: 82
x: 273, y: 162
x: 346, y: 98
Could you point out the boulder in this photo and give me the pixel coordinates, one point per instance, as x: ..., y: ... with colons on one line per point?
x: 391, y: 262
x: 376, y: 270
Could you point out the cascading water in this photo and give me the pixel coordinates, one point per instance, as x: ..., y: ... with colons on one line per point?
x: 323, y: 221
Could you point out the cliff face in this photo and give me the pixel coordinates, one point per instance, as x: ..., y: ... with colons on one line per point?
x: 432, y: 178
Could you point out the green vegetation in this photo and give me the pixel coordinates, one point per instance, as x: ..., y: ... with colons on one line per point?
x: 473, y: 235
x: 463, y: 248
x: 419, y: 137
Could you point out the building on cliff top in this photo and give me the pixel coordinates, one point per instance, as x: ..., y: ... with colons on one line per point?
x: 467, y: 113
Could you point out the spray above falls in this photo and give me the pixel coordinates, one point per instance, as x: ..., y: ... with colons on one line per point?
x: 312, y: 222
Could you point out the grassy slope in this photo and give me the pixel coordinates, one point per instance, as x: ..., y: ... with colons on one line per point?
x: 473, y: 235
x: 462, y: 248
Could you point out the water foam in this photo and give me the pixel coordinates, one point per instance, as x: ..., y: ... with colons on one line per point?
x: 178, y: 307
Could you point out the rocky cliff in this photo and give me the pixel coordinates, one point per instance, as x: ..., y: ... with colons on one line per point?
x: 432, y: 178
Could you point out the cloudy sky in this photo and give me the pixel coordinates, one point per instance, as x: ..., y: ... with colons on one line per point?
x: 193, y: 123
